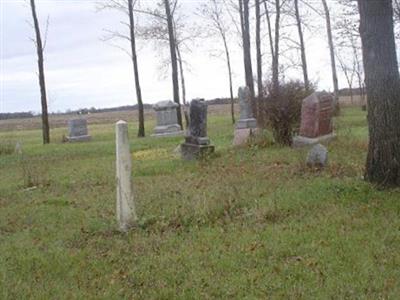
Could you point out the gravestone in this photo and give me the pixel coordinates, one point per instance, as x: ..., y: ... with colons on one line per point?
x: 78, y: 131
x: 167, y: 120
x: 317, y: 157
x: 125, y: 206
x: 316, y: 120
x: 197, y: 144
x: 18, y: 148
x: 247, y: 124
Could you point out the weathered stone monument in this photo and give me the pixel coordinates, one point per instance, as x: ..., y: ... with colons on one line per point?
x: 247, y: 124
x: 317, y: 157
x: 125, y: 206
x: 77, y: 131
x: 197, y: 144
x: 167, y: 121
x: 316, y: 120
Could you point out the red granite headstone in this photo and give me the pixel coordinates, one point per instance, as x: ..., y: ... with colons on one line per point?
x: 316, y: 115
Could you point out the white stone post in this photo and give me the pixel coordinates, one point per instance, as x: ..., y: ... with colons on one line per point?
x: 126, y: 214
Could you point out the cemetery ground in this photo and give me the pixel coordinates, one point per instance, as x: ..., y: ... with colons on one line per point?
x: 252, y: 222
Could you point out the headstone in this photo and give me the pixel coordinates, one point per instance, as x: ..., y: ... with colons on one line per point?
x: 197, y: 144
x: 18, y: 148
x: 317, y: 157
x: 126, y: 214
x: 316, y: 120
x: 167, y: 121
x: 247, y: 124
x: 77, y: 131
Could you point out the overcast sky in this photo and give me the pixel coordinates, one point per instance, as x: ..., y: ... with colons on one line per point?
x: 84, y: 71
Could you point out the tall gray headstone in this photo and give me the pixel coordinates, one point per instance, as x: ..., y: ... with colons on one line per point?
x: 247, y: 124
x: 247, y: 119
x: 167, y: 120
x: 125, y: 206
x: 197, y: 143
x: 77, y: 131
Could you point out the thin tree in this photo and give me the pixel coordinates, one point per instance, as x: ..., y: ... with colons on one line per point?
x: 42, y: 82
x: 131, y: 4
x: 349, y: 72
x: 245, y: 26
x: 174, y: 61
x: 274, y: 40
x: 332, y: 54
x: 383, y: 90
x: 259, y: 53
x: 302, y: 45
x: 213, y: 11
x: 271, y: 40
x: 128, y: 7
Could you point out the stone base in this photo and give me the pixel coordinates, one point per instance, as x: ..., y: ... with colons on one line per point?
x: 167, y: 130
x: 241, y: 136
x: 302, y: 141
x: 83, y: 138
x: 193, y: 151
x: 246, y: 123
x: 167, y: 134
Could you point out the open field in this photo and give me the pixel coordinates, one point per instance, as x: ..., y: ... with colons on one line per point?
x: 249, y: 223
x: 60, y: 121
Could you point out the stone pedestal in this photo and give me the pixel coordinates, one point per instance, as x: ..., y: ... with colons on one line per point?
x: 246, y: 126
x: 167, y: 121
x: 125, y: 206
x: 197, y: 144
x: 316, y: 120
x: 77, y: 131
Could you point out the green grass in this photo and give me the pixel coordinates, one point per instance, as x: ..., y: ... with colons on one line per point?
x: 247, y: 223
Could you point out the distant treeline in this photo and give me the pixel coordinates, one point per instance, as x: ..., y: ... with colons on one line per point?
x: 93, y: 110
x: 17, y: 115
x: 347, y: 92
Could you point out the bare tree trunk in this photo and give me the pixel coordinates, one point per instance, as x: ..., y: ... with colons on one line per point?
x: 244, y: 12
x: 260, y: 102
x: 174, y: 62
x: 259, y: 55
x: 42, y: 82
x: 141, y: 132
x: 228, y: 63
x: 383, y: 90
x: 183, y: 85
x: 332, y: 53
x: 275, y: 59
x: 302, y: 46
x: 271, y: 41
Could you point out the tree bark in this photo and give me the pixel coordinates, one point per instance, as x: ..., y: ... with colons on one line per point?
x: 141, y: 132
x: 244, y: 11
x: 383, y: 90
x: 174, y: 61
x: 259, y: 55
x: 332, y: 53
x: 302, y: 45
x: 275, y: 59
x: 228, y: 63
x: 271, y: 41
x: 42, y: 81
x: 183, y: 85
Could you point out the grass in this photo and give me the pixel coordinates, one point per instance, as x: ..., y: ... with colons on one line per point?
x: 247, y: 223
